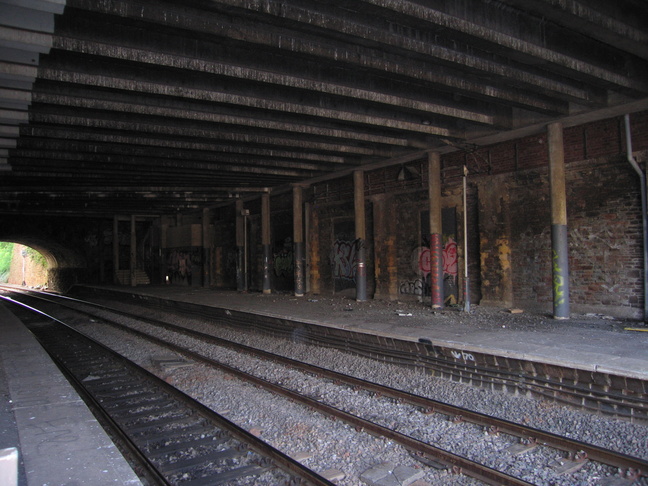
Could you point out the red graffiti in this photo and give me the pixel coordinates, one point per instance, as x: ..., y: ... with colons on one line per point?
x: 450, y: 257
x: 422, y: 260
x: 436, y: 277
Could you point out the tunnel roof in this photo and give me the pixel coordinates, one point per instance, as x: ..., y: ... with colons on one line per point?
x: 152, y: 107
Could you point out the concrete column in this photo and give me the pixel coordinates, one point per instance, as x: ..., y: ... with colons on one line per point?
x: 115, y: 248
x: 133, y: 253
x: 307, y: 252
x: 298, y: 239
x: 266, y: 242
x: 163, y: 268
x: 559, y: 243
x: 314, y: 250
x: 206, y: 247
x: 436, y: 229
x: 360, y: 234
x: 241, y: 221
x: 102, y: 257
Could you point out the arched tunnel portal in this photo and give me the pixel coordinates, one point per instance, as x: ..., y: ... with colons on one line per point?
x: 60, y: 244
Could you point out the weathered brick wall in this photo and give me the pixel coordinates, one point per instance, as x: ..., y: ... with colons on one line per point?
x: 604, y: 220
x: 509, y: 220
x: 224, y: 251
x: 605, y: 237
x: 495, y: 240
x: 408, y: 239
x: 531, y: 237
x: 28, y: 269
x: 328, y: 215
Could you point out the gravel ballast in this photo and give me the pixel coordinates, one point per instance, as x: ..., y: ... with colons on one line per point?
x: 329, y: 446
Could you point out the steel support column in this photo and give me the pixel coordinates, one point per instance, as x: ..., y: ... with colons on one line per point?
x: 206, y: 260
x: 559, y: 243
x: 361, y: 234
x: 115, y: 248
x: 133, y: 253
x: 436, y: 230
x: 241, y: 221
x: 465, y: 238
x: 265, y: 242
x: 298, y: 239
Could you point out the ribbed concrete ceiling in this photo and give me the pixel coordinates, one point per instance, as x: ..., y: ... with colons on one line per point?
x: 149, y: 107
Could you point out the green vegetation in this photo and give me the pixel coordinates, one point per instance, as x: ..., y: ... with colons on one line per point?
x: 36, y: 257
x: 6, y: 252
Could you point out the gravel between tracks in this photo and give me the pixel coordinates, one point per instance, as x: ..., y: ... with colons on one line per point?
x: 334, y: 445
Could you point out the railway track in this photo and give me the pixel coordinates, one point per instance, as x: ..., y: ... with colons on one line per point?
x: 605, y: 393
x: 575, y: 454
x: 169, y: 437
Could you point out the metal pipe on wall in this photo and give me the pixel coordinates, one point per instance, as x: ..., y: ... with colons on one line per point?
x: 465, y: 251
x: 644, y: 207
x: 360, y: 234
x: 298, y: 240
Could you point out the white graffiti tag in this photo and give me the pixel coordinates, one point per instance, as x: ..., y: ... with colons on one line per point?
x: 462, y: 355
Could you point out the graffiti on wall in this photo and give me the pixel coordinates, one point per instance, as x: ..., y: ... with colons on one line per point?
x: 421, y: 260
x: 344, y: 255
x: 283, y: 264
x: 284, y: 260
x: 414, y: 287
x: 344, y: 259
x: 181, y: 263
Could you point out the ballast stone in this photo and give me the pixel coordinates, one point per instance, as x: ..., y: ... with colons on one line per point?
x: 388, y: 474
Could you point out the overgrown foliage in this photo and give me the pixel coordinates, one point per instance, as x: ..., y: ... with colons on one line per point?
x: 6, y: 252
x: 36, y: 257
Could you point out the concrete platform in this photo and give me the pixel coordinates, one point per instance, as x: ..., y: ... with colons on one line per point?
x: 58, y: 439
x: 587, y: 342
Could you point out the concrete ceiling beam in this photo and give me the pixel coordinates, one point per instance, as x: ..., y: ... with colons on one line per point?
x: 196, y: 114
x: 259, y: 103
x: 76, y: 147
x: 217, y: 167
x: 602, y: 22
x: 60, y: 133
x: 377, y: 57
x: 485, y: 66
x: 273, y: 78
x: 214, y: 135
x: 536, y: 49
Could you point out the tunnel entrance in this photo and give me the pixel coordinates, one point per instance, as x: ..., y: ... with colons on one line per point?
x: 22, y: 265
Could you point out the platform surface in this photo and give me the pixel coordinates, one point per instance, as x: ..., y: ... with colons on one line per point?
x: 591, y: 342
x: 59, y: 440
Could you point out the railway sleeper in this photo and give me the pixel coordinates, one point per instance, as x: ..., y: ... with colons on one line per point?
x: 217, y: 457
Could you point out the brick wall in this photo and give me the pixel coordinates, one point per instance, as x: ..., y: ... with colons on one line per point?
x: 509, y: 242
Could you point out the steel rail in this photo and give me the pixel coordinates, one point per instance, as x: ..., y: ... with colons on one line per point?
x: 286, y: 463
x: 581, y: 396
x: 467, y: 466
x: 564, y: 392
x: 573, y: 446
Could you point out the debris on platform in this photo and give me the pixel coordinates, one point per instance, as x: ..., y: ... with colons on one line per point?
x: 600, y: 316
x: 516, y: 311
